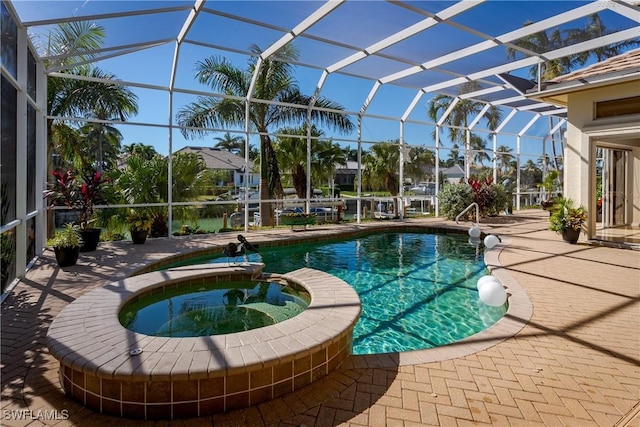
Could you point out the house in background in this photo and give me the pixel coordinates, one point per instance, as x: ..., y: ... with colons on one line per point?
x: 345, y: 175
x: 453, y: 174
x: 217, y: 159
x: 602, y: 154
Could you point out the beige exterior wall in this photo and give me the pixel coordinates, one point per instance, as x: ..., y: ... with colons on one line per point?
x: 583, y: 133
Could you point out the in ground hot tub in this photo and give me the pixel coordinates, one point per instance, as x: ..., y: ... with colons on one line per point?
x: 116, y: 371
x: 213, y: 308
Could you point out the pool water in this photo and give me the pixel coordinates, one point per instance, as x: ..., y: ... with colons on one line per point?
x: 418, y: 290
x: 213, y: 309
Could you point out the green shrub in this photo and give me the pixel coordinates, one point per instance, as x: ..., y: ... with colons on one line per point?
x: 454, y: 198
x: 500, y: 200
x: 491, y: 198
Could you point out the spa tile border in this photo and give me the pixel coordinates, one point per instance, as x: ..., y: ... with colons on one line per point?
x: 187, y: 377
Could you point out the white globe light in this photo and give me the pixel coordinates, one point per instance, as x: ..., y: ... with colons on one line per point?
x: 490, y: 241
x: 486, y: 279
x: 474, y: 232
x: 493, y: 294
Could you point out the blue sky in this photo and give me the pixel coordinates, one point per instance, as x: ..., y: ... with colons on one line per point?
x: 153, y: 66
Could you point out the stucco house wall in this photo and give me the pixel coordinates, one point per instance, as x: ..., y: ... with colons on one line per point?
x: 584, y: 132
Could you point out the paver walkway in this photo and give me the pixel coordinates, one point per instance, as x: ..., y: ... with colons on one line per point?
x: 575, y: 363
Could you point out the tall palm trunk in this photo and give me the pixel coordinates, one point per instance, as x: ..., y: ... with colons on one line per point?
x: 270, y: 184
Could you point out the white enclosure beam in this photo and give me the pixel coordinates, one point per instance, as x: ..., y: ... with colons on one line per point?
x: 506, y: 120
x: 312, y: 19
x: 412, y: 106
x: 528, y: 125
x: 479, y: 116
x: 412, y: 30
x: 511, y: 36
x: 448, y: 111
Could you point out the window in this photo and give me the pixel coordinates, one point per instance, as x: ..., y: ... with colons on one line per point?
x: 618, y: 107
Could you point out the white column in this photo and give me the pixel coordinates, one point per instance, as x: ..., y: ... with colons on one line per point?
x: 21, y: 155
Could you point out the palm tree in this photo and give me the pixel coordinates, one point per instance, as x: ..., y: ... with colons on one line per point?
x: 233, y: 144
x: 479, y: 147
x: 454, y: 157
x: 100, y: 146
x: 530, y: 174
x: 351, y: 153
x: 595, y: 28
x: 556, y: 38
x: 83, y: 98
x: 458, y: 119
x: 381, y: 166
x: 291, y: 152
x: 542, y: 42
x: 274, y: 83
x: 326, y: 155
x: 138, y: 149
x: 419, y: 160
x: 465, y: 109
x: 73, y: 43
x: 503, y: 159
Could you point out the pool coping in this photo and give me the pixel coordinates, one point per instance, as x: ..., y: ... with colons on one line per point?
x: 87, y: 335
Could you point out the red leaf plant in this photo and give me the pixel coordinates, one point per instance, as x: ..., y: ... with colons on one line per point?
x: 81, y: 193
x: 482, y: 193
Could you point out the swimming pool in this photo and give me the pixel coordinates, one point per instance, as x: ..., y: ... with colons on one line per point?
x: 418, y: 290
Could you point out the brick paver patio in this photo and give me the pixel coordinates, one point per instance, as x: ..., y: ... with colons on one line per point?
x: 576, y: 362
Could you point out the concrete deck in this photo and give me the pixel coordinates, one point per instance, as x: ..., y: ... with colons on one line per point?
x: 575, y: 362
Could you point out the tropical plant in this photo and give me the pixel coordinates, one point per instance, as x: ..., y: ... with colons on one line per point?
x: 466, y: 109
x: 454, y: 198
x: 381, y: 166
x: 504, y: 160
x: 70, y: 97
x: 566, y: 216
x: 81, y: 193
x: 418, y: 162
x: 530, y: 174
x: 491, y: 198
x: 274, y: 82
x: 233, y: 144
x: 291, y: 152
x: 67, y: 237
x: 138, y: 149
x: 69, y: 47
x: 454, y: 157
x: 556, y: 38
x: 550, y: 185
x: 139, y: 220
x: 478, y: 147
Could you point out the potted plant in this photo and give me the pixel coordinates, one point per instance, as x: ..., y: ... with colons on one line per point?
x: 140, y: 222
x: 82, y: 194
x: 568, y: 220
x: 66, y: 245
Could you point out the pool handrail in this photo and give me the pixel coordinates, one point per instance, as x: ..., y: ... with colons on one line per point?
x: 474, y: 204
